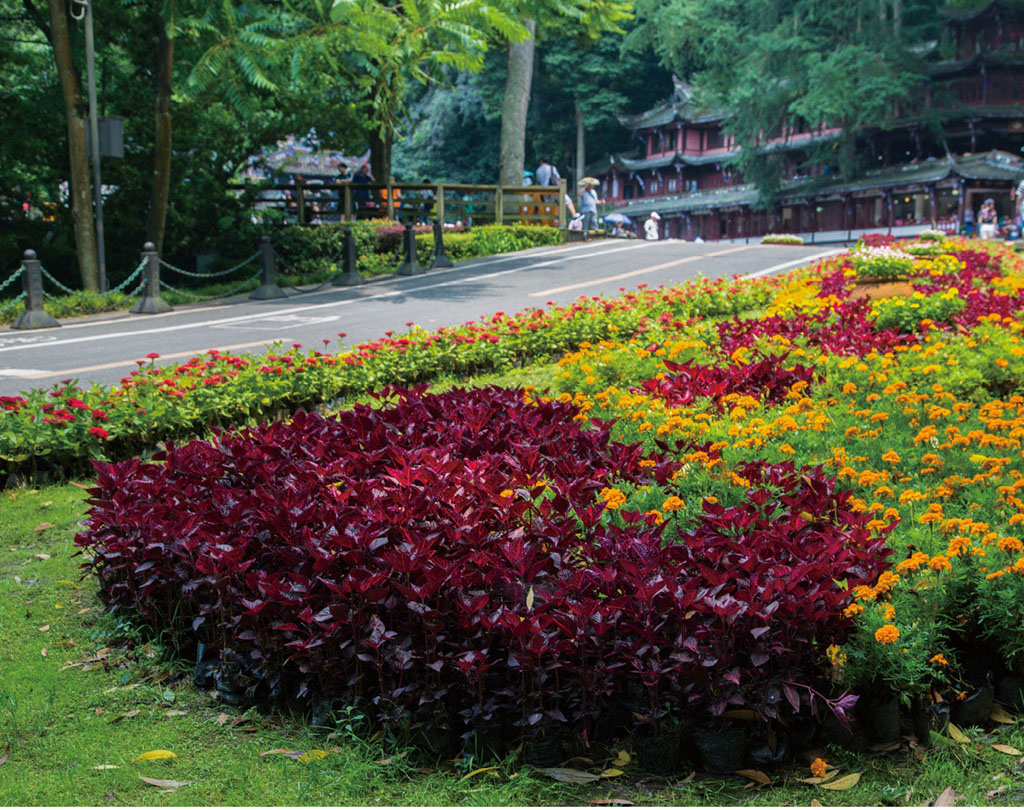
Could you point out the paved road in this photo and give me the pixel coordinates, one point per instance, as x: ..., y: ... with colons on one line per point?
x: 103, y: 349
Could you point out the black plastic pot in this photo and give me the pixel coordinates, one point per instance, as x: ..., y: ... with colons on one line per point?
x: 880, y: 717
x: 1011, y: 692
x: 658, y: 753
x: 542, y: 746
x: 722, y: 749
x: 975, y: 708
x: 760, y: 753
x: 928, y: 717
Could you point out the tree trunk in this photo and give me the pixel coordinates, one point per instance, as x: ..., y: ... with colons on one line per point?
x: 897, y: 19
x: 514, y: 105
x: 581, y: 156
x: 380, y: 153
x: 162, y: 149
x: 74, y: 111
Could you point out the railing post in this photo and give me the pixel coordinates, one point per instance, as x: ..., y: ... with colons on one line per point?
x: 440, y: 202
x: 390, y: 191
x: 348, y: 202
x: 34, y: 316
x: 151, y: 303
x: 440, y: 257
x: 499, y: 205
x: 268, y: 274
x: 300, y: 198
x: 410, y: 266
x: 561, y: 203
x: 349, y: 275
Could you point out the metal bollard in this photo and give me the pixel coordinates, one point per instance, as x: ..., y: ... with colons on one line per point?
x: 411, y: 265
x: 440, y: 257
x: 349, y: 275
x: 34, y: 316
x: 151, y: 303
x: 268, y: 274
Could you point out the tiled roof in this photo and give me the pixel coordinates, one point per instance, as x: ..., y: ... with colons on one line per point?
x: 994, y: 165
x: 683, y: 106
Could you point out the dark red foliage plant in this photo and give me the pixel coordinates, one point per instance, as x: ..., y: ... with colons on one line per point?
x: 444, y: 562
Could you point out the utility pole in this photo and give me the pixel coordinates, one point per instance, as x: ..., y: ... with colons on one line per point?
x: 84, y: 9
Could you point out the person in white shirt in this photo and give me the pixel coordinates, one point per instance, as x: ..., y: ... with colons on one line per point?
x: 651, y: 227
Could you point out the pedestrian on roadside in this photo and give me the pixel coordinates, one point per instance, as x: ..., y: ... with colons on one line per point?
x: 547, y: 174
x: 651, y: 227
x: 362, y: 195
x: 588, y: 207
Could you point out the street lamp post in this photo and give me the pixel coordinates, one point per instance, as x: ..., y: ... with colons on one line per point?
x: 84, y: 9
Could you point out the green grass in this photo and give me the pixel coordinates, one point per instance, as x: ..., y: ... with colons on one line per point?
x: 61, y: 722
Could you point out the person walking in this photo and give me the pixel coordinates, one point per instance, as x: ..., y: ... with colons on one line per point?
x: 651, y: 227
x: 588, y: 206
x: 547, y: 174
x: 987, y: 219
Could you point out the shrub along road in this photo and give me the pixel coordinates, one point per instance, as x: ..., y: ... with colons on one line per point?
x: 104, y: 350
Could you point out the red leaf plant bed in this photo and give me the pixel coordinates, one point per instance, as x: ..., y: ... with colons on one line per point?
x: 445, y: 563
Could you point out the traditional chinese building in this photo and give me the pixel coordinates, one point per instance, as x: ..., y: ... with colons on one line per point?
x: 681, y: 166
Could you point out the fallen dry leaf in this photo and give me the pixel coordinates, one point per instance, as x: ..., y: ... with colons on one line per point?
x: 313, y: 754
x: 570, y: 775
x: 946, y: 799
x: 126, y: 715
x: 160, y: 753
x: 165, y: 783
x: 99, y: 711
x: 1006, y: 749
x: 42, y: 652
x: 999, y: 715
x: 758, y: 776
x: 611, y: 773
x: 175, y: 712
x: 956, y: 734
x: 815, y: 803
x: 42, y: 527
x: 612, y: 802
x: 79, y: 485
x: 471, y: 774
x: 5, y: 755
x: 996, y: 792
x: 222, y: 718
x: 842, y: 783
x: 105, y: 767
x: 44, y: 628
x: 287, y: 752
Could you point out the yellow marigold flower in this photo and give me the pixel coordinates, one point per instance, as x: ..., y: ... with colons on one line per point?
x: 939, y: 660
x: 658, y: 517
x: 957, y: 546
x: 710, y: 499
x: 853, y: 609
x: 1018, y: 567
x: 891, y: 456
x: 849, y: 388
x: 939, y: 562
x: 887, y: 634
x: 888, y: 612
x: 994, y: 574
x: 835, y: 655
x: 787, y: 449
x: 864, y: 592
x: 819, y: 767
x: 613, y: 498
x: 673, y: 504
x: 506, y: 493
x: 930, y: 517
x: 1011, y: 545
x: 886, y: 581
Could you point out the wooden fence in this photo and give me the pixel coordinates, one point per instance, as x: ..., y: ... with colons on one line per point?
x: 314, y: 203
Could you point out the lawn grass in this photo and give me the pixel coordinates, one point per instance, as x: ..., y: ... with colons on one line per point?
x: 61, y: 722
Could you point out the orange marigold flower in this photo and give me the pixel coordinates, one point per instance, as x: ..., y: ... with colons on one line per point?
x: 673, y: 504
x: 912, y: 563
x: 1011, y: 545
x: 939, y: 563
x: 819, y: 767
x: 1018, y: 567
x: 892, y: 457
x: 957, y: 546
x: 939, y: 660
x: 887, y: 634
x: 852, y: 610
x: 886, y: 581
x: 864, y: 592
x: 888, y: 612
x: 613, y: 498
x: 506, y: 493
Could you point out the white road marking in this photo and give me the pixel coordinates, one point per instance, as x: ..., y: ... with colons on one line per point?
x: 74, y: 372
x: 805, y: 260
x: 643, y: 270
x: 29, y: 373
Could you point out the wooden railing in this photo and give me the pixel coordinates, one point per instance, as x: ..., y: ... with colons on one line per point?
x: 320, y: 203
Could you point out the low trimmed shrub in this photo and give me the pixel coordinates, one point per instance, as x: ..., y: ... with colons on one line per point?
x: 782, y: 239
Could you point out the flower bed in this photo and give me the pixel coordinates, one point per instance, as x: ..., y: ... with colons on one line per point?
x: 759, y: 514
x: 782, y: 239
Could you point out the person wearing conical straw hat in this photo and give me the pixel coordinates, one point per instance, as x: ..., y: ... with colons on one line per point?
x: 651, y: 227
x: 588, y: 205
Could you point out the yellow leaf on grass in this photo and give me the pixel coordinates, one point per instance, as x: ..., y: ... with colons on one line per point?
x: 160, y: 753
x: 958, y: 735
x: 66, y: 582
x: 758, y: 776
x: 1006, y: 749
x: 313, y: 754
x: 479, y: 771
x: 999, y: 715
x: 842, y: 783
x: 611, y: 773
x: 622, y: 758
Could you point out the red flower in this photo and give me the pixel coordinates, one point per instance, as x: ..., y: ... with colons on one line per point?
x: 99, y: 432
x: 152, y: 356
x: 100, y: 416
x: 77, y: 403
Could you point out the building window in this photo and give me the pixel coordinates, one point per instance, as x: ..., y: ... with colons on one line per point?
x: 671, y: 184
